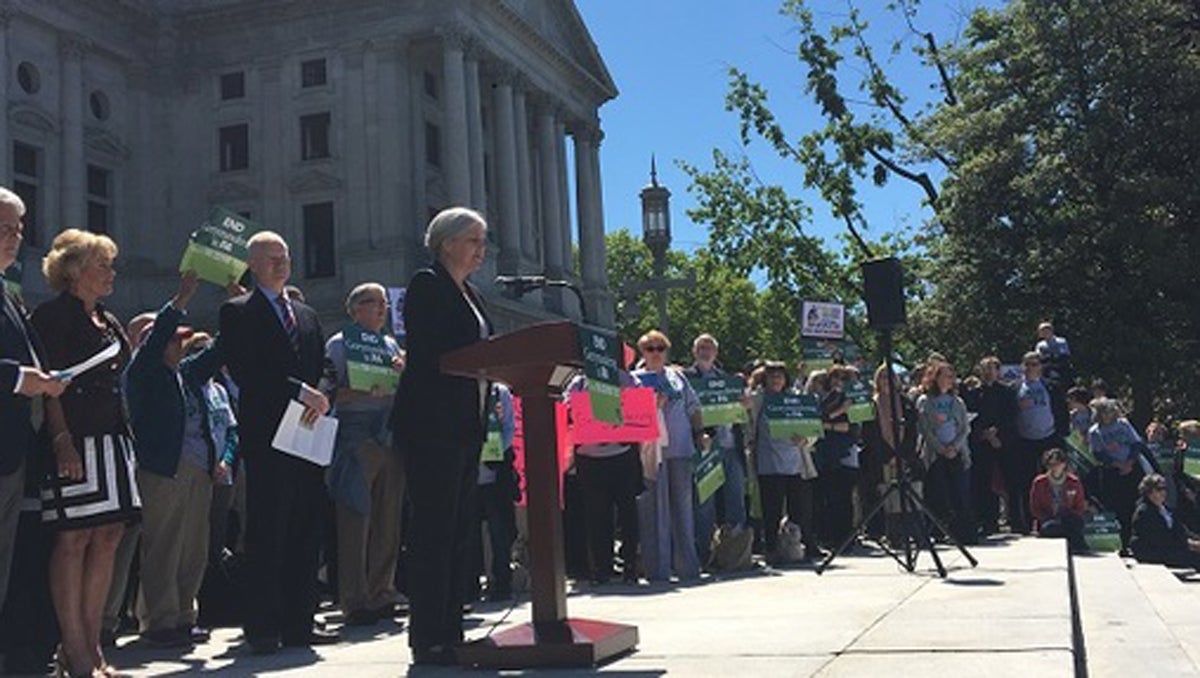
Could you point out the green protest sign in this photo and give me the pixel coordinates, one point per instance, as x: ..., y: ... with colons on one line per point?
x: 217, y: 250
x: 822, y: 354
x: 1080, y: 454
x: 709, y: 474
x: 1191, y: 459
x: 493, y: 449
x: 791, y: 414
x: 862, y: 407
x: 368, y: 360
x: 720, y: 399
x: 600, y: 350
x: 1102, y: 532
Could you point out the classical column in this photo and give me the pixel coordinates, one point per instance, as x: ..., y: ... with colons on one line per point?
x: 591, y: 222
x: 357, y: 174
x: 552, y: 247
x: 455, y: 164
x: 525, y: 177
x: 394, y: 143
x: 475, y: 137
x: 506, y: 177
x: 71, y: 51
x: 5, y: 152
x: 273, y: 106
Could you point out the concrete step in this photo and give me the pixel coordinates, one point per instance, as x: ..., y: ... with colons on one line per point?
x: 1177, y: 604
x: 1123, y: 632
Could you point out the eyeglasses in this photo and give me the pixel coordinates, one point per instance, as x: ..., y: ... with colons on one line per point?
x: 372, y: 302
x: 658, y: 348
x: 11, y: 230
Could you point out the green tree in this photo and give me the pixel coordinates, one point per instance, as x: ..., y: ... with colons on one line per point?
x: 1065, y: 140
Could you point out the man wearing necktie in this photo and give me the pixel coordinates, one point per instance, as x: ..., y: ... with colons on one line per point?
x: 274, y: 349
x: 22, y: 380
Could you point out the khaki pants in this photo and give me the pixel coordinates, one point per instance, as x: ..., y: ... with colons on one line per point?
x: 174, y: 546
x: 368, y: 546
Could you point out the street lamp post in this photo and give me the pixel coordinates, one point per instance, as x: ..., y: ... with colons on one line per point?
x: 656, y: 233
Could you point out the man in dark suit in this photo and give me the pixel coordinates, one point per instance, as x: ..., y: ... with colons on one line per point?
x: 274, y: 349
x: 21, y: 381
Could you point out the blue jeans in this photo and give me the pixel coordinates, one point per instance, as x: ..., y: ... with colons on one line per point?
x: 732, y: 495
x: 666, y: 523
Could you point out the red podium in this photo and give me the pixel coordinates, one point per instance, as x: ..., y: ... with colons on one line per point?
x: 537, y: 362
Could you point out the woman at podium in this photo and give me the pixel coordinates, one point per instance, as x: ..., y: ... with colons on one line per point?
x: 439, y: 425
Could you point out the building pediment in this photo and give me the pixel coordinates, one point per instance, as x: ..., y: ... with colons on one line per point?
x: 31, y: 116
x: 312, y: 181
x: 104, y: 142
x: 558, y: 23
x: 231, y: 192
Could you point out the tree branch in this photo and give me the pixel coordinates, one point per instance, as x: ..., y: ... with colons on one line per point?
x: 947, y: 87
x: 921, y: 179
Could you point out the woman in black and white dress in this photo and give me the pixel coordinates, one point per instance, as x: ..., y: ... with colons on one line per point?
x: 90, y: 493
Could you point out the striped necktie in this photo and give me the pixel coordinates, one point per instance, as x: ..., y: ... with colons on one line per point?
x: 289, y: 322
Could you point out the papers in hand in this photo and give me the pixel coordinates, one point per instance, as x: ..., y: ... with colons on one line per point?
x: 310, y: 443
x: 106, y: 354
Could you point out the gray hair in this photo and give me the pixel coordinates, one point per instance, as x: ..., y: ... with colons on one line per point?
x: 705, y: 338
x: 449, y: 223
x: 261, y: 238
x: 1103, y: 406
x: 7, y: 197
x: 356, y: 295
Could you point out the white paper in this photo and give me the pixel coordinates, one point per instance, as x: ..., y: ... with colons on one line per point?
x: 310, y: 443
x: 106, y: 354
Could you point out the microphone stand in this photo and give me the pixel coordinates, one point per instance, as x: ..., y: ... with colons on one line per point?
x: 522, y: 285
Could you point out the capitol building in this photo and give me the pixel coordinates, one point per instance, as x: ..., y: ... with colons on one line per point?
x: 342, y: 124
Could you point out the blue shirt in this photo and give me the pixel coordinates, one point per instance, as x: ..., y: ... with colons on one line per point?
x: 946, y: 427
x: 774, y: 456
x: 1114, y: 442
x: 273, y: 298
x: 682, y: 403
x: 1035, y: 418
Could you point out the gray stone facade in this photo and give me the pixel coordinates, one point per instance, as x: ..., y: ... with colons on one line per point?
x: 342, y: 125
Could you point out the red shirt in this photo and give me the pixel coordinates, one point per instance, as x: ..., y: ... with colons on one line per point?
x: 1041, y: 497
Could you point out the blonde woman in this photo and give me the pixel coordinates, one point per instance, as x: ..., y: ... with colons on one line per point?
x: 90, y: 492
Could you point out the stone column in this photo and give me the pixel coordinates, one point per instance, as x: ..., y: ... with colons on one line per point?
x: 455, y: 162
x: 552, y: 227
x: 508, y: 214
x: 5, y: 147
x: 475, y: 137
x: 591, y: 224
x: 72, y: 199
x: 358, y: 176
x: 525, y: 177
x: 273, y: 106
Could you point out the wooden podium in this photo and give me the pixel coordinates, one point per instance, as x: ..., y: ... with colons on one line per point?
x: 537, y: 362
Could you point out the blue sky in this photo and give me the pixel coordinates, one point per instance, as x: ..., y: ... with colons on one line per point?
x: 669, y: 58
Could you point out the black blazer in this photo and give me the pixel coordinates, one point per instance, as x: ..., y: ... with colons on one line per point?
x: 1153, y: 541
x: 16, y: 337
x: 431, y: 406
x: 267, y: 370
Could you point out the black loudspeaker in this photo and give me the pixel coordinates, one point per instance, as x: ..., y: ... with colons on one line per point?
x: 883, y: 280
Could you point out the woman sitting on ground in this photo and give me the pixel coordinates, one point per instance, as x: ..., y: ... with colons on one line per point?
x: 1158, y: 536
x: 1057, y: 501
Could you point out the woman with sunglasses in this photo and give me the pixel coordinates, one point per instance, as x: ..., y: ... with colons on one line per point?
x: 665, y: 508
x: 1158, y: 536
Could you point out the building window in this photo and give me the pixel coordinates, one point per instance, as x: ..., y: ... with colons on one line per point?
x: 312, y: 73
x: 433, y: 144
x: 233, y: 86
x: 319, y: 253
x: 99, y: 199
x: 431, y: 85
x: 26, y: 162
x: 234, y: 142
x: 314, y: 136
x: 99, y: 105
x: 29, y: 78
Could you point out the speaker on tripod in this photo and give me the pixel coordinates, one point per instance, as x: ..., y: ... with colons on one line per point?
x: 883, y: 282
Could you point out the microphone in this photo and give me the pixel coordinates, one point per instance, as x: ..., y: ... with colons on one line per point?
x: 521, y: 283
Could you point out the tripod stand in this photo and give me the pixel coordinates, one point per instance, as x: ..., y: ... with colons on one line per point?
x: 912, y: 508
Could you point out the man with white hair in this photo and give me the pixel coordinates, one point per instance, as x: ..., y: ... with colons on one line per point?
x: 275, y: 349
x: 22, y: 381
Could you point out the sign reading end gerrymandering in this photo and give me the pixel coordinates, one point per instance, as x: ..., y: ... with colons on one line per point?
x: 790, y: 414
x: 600, y: 350
x: 822, y: 319
x: 720, y: 399
x: 217, y: 250
x: 369, y: 360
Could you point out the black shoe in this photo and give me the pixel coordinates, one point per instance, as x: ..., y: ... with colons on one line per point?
x: 197, y: 634
x: 314, y: 638
x: 438, y: 655
x: 263, y: 646
x: 362, y: 617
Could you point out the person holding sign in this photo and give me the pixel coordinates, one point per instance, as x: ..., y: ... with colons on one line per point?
x: 366, y: 479
x: 274, y: 348
x: 89, y: 434
x: 668, y: 529
x: 439, y: 423
x: 1115, y: 443
x: 783, y: 459
x: 728, y: 405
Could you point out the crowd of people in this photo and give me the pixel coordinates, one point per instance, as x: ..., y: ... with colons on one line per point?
x: 138, y: 487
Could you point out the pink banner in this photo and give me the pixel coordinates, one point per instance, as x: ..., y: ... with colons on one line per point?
x: 639, y: 410
x: 564, y: 446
